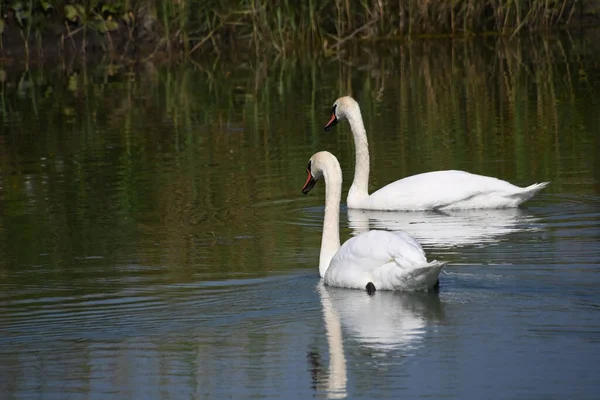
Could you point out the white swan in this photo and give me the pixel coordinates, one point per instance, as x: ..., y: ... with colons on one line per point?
x: 374, y: 260
x: 438, y: 190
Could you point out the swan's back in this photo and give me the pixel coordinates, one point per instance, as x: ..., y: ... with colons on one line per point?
x: 377, y: 247
x: 451, y: 190
x: 390, y: 260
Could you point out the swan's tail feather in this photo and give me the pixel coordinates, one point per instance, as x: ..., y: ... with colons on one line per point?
x: 425, y: 277
x: 437, y: 264
x: 536, y: 187
x: 528, y: 192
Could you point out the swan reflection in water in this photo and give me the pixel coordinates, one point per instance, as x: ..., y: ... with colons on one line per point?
x: 385, y: 322
x: 447, y: 228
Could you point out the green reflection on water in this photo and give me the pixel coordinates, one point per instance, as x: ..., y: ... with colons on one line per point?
x: 194, y: 171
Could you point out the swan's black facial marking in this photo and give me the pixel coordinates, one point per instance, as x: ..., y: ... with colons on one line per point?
x: 334, y: 119
x: 370, y: 289
x: 310, y: 180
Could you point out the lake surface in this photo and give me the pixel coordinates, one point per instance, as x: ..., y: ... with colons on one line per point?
x: 155, y: 243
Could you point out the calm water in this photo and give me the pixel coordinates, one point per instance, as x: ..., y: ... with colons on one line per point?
x: 155, y: 243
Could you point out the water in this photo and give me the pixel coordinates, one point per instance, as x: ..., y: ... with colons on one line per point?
x: 155, y: 243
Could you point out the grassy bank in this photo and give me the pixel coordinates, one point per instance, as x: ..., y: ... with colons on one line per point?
x: 257, y: 26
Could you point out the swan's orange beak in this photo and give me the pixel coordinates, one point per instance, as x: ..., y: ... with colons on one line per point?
x: 331, y: 122
x: 309, y: 184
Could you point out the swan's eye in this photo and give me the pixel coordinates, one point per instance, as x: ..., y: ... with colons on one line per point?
x: 308, y: 167
x: 333, y: 109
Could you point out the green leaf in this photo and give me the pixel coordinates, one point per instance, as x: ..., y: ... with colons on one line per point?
x: 46, y: 5
x: 72, y: 84
x: 110, y: 8
x: 96, y: 24
x: 111, y: 25
x: 71, y: 12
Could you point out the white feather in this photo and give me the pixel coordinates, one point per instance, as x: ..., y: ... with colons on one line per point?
x: 389, y: 260
x: 437, y: 190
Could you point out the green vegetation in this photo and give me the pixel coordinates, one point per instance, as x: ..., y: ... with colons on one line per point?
x: 274, y: 26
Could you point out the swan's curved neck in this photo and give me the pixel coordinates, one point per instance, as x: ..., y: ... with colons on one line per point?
x: 330, y: 242
x: 360, y: 185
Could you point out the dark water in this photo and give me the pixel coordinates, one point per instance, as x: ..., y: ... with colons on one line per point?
x: 155, y: 243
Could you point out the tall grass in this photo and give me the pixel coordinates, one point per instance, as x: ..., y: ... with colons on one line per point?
x: 285, y: 26
x: 282, y: 26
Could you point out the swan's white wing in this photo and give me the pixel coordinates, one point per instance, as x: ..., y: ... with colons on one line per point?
x: 450, y: 189
x: 388, y: 259
x: 374, y: 248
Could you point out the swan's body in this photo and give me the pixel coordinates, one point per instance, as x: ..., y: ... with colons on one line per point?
x: 438, y: 190
x: 444, y: 190
x: 390, y: 260
x: 385, y: 260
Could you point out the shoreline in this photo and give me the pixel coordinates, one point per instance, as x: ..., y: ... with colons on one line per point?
x: 147, y: 31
